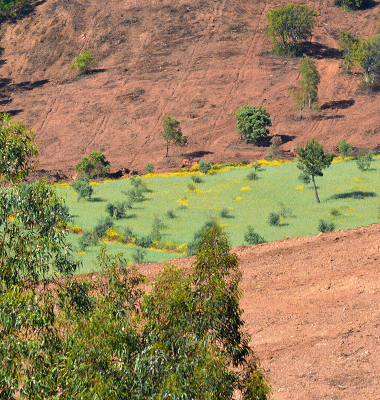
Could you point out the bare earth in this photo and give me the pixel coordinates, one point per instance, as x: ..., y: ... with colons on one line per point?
x: 197, y: 60
x: 311, y: 305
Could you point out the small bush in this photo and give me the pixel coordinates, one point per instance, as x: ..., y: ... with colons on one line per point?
x: 83, y: 63
x: 128, y: 234
x: 120, y: 210
x: 170, y: 214
x: 252, y: 176
x: 110, y: 209
x: 324, y: 226
x: 285, y: 212
x: 274, y: 219
x: 144, y: 241
x: 196, y: 179
x: 253, y: 238
x: 191, y: 247
x: 344, y: 148
x: 204, y: 166
x: 270, y: 156
x: 83, y: 188
x: 334, y: 212
x: 191, y: 187
x: 139, y: 255
x: 157, y: 227
x: 225, y: 213
x: 149, y: 168
x: 102, y: 226
x: 85, y: 241
x: 364, y: 161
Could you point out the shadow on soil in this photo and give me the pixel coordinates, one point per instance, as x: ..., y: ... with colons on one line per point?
x: 197, y: 154
x: 340, y: 104
x: 357, y: 195
x: 319, y: 51
x: 6, y: 85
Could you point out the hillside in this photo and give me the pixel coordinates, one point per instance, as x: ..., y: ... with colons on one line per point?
x: 196, y: 60
x: 311, y: 306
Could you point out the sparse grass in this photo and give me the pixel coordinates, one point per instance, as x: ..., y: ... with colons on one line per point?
x: 339, y: 189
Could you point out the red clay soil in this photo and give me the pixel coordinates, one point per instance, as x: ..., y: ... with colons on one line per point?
x: 311, y: 305
x: 197, y: 60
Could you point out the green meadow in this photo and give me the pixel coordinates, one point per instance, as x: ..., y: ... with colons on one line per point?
x: 349, y: 198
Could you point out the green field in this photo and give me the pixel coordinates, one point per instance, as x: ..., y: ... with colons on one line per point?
x: 353, y: 193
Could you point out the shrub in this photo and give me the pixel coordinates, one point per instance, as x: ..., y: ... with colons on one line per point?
x: 352, y: 4
x: 110, y: 209
x: 172, y: 133
x: 204, y: 166
x: 120, y: 210
x: 157, y: 227
x: 191, y: 187
x: 225, y: 213
x: 94, y: 166
x: 196, y: 179
x: 334, y: 212
x: 144, y: 241
x: 274, y: 219
x: 344, y: 148
x: 364, y: 161
x: 252, y: 176
x: 149, y: 168
x: 270, y: 156
x: 83, y: 63
x: 324, y: 226
x: 170, y: 214
x: 252, y: 122
x: 83, y: 188
x: 253, y: 238
x: 102, y: 226
x: 138, y: 256
x: 191, y: 247
x: 86, y: 240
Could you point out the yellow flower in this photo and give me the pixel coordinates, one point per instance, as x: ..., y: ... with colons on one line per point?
x: 238, y: 199
x: 93, y: 183
x: 358, y: 180
x: 299, y: 188
x: 245, y: 188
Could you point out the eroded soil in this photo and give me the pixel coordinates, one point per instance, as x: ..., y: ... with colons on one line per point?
x: 311, y: 305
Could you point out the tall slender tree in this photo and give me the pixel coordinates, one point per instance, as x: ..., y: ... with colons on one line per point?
x: 172, y: 133
x: 309, y: 81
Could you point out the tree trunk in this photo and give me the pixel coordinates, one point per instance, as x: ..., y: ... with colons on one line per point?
x: 167, y: 149
x: 315, y: 189
x: 301, y: 112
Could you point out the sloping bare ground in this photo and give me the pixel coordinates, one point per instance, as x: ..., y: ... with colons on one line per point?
x: 311, y: 305
x: 197, y: 60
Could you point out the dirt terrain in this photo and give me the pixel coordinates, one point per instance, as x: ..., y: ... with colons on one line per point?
x: 197, y: 60
x: 311, y: 305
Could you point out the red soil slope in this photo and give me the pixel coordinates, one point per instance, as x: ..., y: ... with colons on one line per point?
x: 312, y: 307
x: 198, y: 60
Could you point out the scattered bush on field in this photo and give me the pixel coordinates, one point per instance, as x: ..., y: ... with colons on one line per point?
x: 93, y: 166
x: 204, y: 166
x: 102, y: 226
x: 83, y: 188
x: 274, y: 219
x: 170, y: 214
x: 344, y: 148
x: 253, y: 238
x: 334, y: 212
x: 139, y: 255
x: 325, y: 226
x: 364, y: 161
x: 196, y: 179
x: 252, y: 122
x: 149, y: 168
x: 225, y: 213
x: 86, y: 240
x: 83, y: 63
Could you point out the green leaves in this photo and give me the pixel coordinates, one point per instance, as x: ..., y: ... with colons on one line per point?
x: 172, y: 133
x: 17, y: 148
x: 83, y: 63
x: 252, y: 122
x: 95, y: 165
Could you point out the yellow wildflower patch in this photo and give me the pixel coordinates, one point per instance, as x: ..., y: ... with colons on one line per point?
x: 238, y: 199
x: 299, y: 188
x: 183, y: 202
x: 62, y: 184
x: 245, y: 188
x: 114, y: 236
x: 358, y: 180
x: 74, y: 228
x: 93, y: 183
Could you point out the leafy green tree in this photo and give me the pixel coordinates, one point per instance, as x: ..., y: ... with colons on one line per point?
x: 309, y: 81
x: 252, y: 237
x: 149, y: 168
x: 204, y: 166
x: 252, y: 122
x: 364, y: 161
x: 172, y: 133
x: 352, y: 4
x: 83, y: 63
x: 17, y: 149
x: 289, y: 25
x: 344, y: 148
x: 348, y: 44
x: 83, y: 187
x: 95, y: 165
x: 312, y: 160
x: 367, y: 57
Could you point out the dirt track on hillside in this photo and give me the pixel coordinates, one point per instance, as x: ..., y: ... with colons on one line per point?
x: 197, y: 60
x: 311, y: 305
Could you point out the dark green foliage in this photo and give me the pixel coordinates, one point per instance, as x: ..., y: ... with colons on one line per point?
x: 170, y: 214
x: 102, y: 226
x: 83, y: 63
x: 334, y: 212
x: 204, y: 166
x: 93, y: 166
x: 324, y: 226
x: 312, y: 160
x: 252, y: 122
x: 366, y: 56
x: 344, y: 148
x: 364, y: 161
x: 274, y: 219
x: 191, y: 187
x: 352, y: 4
x: 225, y: 213
x: 149, y: 168
x: 253, y: 238
x: 144, y: 241
x: 128, y: 233
x: 137, y: 191
x: 139, y: 255
x: 288, y: 26
x: 196, y: 179
x: 285, y: 212
x: 157, y: 227
x: 191, y: 247
x: 270, y: 156
x: 83, y: 188
x: 17, y: 148
x: 86, y: 240
x: 110, y: 209
x: 348, y: 44
x: 304, y: 178
x: 309, y: 81
x: 172, y: 133
x: 252, y: 176
x: 11, y: 9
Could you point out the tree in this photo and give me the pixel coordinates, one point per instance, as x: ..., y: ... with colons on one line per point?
x: 352, y: 4
x: 288, y: 25
x: 204, y: 166
x: 252, y: 122
x: 17, y: 149
x: 344, y: 147
x: 83, y: 187
x: 367, y: 57
x: 95, y: 165
x: 172, y: 133
x: 348, y: 44
x: 83, y: 63
x: 312, y: 160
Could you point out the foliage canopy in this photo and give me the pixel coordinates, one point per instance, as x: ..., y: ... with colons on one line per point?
x: 94, y: 166
x: 172, y: 133
x: 83, y: 63
x: 252, y: 122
